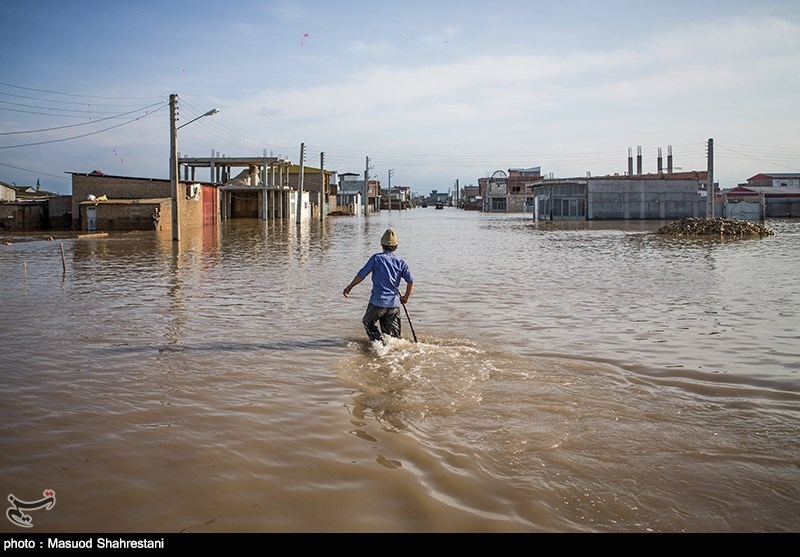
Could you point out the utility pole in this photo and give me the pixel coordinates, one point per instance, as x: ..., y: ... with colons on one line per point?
x: 366, y: 188
x: 300, y: 182
x: 323, y: 187
x: 391, y: 173
x: 710, y: 188
x: 457, y: 196
x: 173, y: 163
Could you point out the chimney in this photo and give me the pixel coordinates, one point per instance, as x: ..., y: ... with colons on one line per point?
x: 639, y: 160
x: 630, y: 161
x: 660, y: 162
x: 669, y: 159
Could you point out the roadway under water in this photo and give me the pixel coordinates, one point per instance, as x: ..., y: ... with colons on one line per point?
x: 586, y: 377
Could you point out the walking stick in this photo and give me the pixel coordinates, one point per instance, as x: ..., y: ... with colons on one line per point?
x: 409, y: 323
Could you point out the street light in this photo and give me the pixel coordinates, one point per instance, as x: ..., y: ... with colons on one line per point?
x: 391, y: 173
x: 209, y: 113
x: 173, y: 158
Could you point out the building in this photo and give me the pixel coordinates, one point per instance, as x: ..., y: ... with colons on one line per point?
x: 267, y: 188
x: 437, y: 197
x: 398, y: 197
x: 520, y: 185
x: 27, y: 208
x: 471, y: 199
x: 106, y: 202
x: 665, y: 195
x: 765, y: 195
x: 637, y: 197
x: 350, y: 194
x: 8, y: 192
x: 509, y: 192
x: 775, y: 180
x: 102, y: 202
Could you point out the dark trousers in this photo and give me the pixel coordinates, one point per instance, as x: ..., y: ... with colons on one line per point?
x: 388, y: 318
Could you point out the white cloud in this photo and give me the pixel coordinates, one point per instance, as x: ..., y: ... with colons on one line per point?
x: 451, y: 91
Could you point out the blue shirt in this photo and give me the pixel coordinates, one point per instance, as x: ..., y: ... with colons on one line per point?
x: 387, y: 270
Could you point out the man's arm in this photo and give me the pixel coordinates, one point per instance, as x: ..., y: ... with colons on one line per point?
x: 356, y: 280
x: 409, y: 288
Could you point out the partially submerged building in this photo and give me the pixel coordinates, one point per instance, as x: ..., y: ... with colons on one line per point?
x: 765, y: 195
x: 102, y: 202
x: 617, y: 197
x: 268, y: 188
x: 27, y: 208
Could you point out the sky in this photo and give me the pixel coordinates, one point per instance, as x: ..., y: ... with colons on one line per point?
x: 428, y: 94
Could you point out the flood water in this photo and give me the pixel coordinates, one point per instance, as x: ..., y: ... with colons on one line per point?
x: 586, y: 377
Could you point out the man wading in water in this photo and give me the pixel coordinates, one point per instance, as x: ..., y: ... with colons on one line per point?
x: 384, y: 303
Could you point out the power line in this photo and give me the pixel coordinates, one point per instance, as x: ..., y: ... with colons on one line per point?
x: 226, y: 134
x: 56, y: 101
x: 34, y: 171
x: 76, y: 95
x: 83, y: 135
x: 72, y: 111
x: 745, y: 155
x: 81, y: 123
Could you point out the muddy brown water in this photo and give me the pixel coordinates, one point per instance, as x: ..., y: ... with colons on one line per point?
x: 585, y: 377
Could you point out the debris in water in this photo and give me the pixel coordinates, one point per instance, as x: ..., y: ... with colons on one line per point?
x: 696, y: 226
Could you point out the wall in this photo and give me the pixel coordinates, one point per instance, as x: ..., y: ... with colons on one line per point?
x: 113, y: 215
x: 128, y: 216
x: 60, y: 212
x: 114, y: 187
x: 783, y: 207
x: 27, y: 215
x: 7, y: 194
x: 623, y: 199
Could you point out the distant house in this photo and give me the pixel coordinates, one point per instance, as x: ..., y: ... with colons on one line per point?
x: 509, y: 192
x: 398, y: 197
x: 781, y: 201
x: 28, y: 208
x: 471, y: 198
x: 775, y: 180
x: 7, y: 192
x: 439, y: 197
x: 350, y: 193
x: 764, y: 195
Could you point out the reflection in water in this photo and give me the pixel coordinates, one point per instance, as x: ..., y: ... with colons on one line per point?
x: 177, y: 311
x: 567, y: 377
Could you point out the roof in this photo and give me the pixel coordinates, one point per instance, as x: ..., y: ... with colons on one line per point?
x: 28, y: 193
x: 150, y: 201
x: 775, y: 176
x: 686, y: 175
x: 768, y: 191
x: 23, y: 189
x: 208, y: 162
x: 98, y: 174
